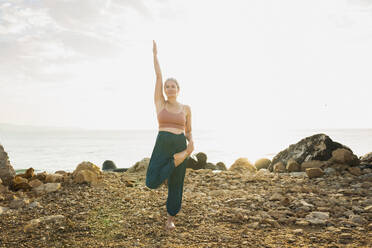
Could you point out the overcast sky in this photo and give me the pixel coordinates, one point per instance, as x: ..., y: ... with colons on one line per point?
x: 240, y: 64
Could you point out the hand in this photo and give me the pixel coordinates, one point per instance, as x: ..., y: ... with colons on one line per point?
x: 154, y: 49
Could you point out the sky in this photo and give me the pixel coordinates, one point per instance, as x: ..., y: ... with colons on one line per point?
x: 240, y: 64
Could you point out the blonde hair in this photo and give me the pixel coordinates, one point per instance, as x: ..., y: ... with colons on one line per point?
x: 174, y: 80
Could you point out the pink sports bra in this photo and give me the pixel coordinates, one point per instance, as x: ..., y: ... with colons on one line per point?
x: 169, y: 119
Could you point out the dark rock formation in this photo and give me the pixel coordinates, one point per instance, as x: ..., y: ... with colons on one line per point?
x: 316, y: 147
x: 109, y: 165
x: 7, y: 172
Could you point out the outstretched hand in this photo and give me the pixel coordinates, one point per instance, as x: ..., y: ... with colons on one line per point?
x: 154, y: 49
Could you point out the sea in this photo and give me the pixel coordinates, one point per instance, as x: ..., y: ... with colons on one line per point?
x: 63, y: 149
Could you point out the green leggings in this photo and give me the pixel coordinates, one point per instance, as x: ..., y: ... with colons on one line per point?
x: 162, y: 167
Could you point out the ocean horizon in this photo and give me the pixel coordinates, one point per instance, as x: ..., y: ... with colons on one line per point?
x: 52, y: 149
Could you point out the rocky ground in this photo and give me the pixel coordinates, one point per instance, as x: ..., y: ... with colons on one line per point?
x: 220, y: 209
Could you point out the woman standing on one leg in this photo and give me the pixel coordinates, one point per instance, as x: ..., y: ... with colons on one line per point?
x: 168, y: 156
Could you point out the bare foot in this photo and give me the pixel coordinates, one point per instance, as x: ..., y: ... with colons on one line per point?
x: 169, y: 225
x: 179, y: 157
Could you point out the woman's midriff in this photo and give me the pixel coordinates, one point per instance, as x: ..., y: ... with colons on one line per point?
x: 172, y: 130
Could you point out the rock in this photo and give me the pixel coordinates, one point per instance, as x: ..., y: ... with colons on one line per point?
x: 40, y: 176
x: 201, y: 157
x: 344, y: 156
x: 53, y: 178
x: 3, y: 210
x: 86, y: 176
x: 29, y: 173
x: 304, y: 203
x: 221, y: 166
x: 302, y: 222
x: 199, y: 161
x: 345, y: 238
x: 276, y: 197
x: 61, y: 172
x: 33, y: 224
x: 314, y: 172
x: 357, y: 219
x: 316, y: 147
x: 140, y: 166
x: 35, y: 183
x: 34, y: 204
x: 367, y: 159
x: 330, y: 171
x: 262, y: 163
x: 241, y: 165
x: 369, y: 227
x: 47, y: 188
x: 340, y: 167
x: 298, y: 174
x: 108, y: 165
x: 366, y: 177
x: 19, y: 203
x: 87, y: 166
x: 3, y: 188
x: 210, y: 166
x: 263, y: 173
x: 368, y: 209
x: 192, y: 163
x: 20, y: 183
x: 298, y: 231
x: 356, y: 171
x: 318, y: 218
x: 293, y: 166
x: 312, y: 164
x: 279, y: 167
x: 7, y: 172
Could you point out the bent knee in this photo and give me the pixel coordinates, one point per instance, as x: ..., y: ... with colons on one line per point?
x: 151, y: 185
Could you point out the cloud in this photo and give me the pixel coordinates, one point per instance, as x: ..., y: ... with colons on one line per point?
x: 36, y: 35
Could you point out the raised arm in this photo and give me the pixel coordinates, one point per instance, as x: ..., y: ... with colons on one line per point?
x: 159, y: 97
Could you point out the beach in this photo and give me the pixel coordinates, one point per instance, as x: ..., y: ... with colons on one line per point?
x: 226, y: 209
x: 319, y: 197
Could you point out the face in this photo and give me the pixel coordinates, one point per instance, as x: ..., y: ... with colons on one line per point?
x: 171, y: 89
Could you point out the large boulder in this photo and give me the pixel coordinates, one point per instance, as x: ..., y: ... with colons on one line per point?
x: 202, y: 157
x: 140, y: 166
x: 262, y: 163
x: 7, y: 172
x: 87, y: 166
x: 86, y: 172
x: 315, y: 147
x: 242, y: 165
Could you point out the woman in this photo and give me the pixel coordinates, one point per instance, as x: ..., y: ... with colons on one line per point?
x: 168, y: 156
